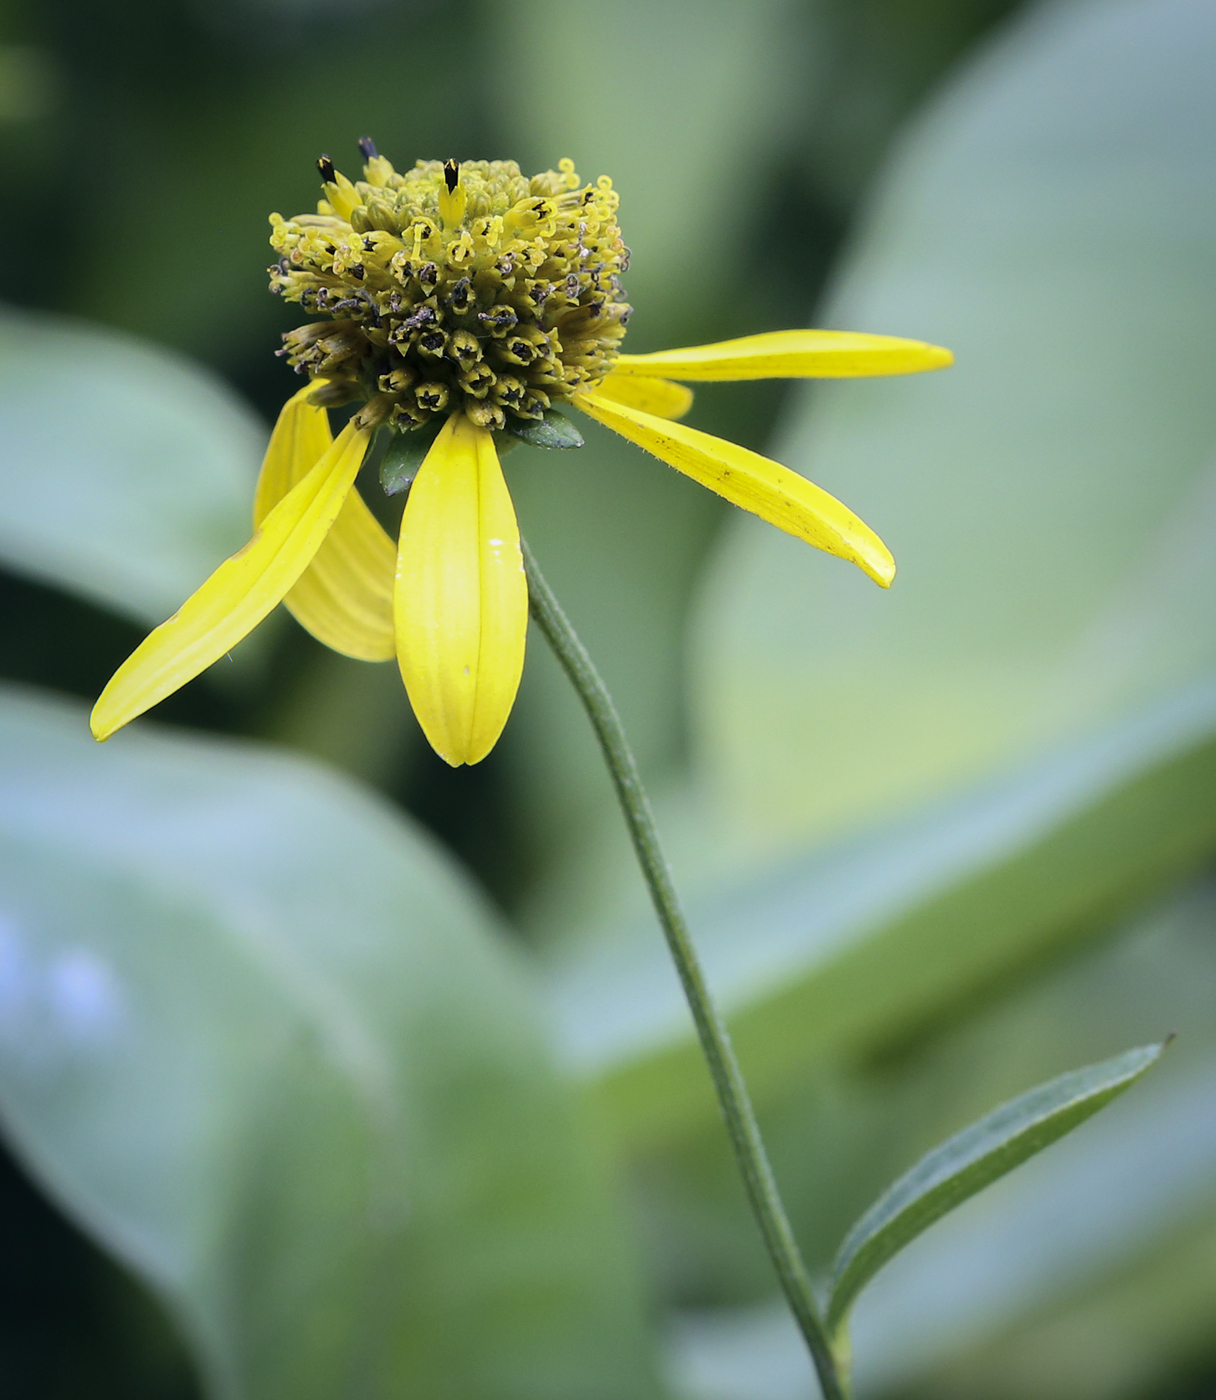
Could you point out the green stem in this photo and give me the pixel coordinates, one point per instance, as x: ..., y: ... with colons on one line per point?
x: 719, y: 1055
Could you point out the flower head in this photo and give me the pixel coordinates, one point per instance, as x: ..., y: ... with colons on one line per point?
x: 454, y: 289
x: 459, y: 304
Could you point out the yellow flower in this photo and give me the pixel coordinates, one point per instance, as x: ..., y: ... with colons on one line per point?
x: 462, y: 302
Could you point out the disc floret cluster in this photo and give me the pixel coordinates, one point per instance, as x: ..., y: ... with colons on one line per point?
x: 454, y: 287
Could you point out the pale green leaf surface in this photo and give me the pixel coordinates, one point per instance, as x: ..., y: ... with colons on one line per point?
x: 972, y: 1160
x: 1050, y: 500
x: 265, y: 1044
x: 126, y: 473
x: 900, y: 797
x: 843, y: 949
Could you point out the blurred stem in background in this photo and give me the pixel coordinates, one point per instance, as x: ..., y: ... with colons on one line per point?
x: 729, y: 1085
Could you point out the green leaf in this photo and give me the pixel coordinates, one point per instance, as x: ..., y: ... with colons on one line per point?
x: 405, y: 454
x: 971, y: 1160
x: 266, y: 1044
x: 126, y: 472
x: 1094, y: 1210
x: 552, y: 430
x: 1050, y: 500
x: 901, y: 798
x: 837, y: 952
x: 1015, y: 1282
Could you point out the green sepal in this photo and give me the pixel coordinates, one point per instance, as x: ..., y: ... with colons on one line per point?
x: 553, y: 430
x: 405, y: 453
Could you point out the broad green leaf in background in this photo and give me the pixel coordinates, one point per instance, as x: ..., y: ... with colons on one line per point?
x: 853, y: 945
x: 974, y: 1158
x: 1050, y: 500
x: 906, y: 801
x: 263, y: 1042
x: 1017, y: 739
x: 126, y: 473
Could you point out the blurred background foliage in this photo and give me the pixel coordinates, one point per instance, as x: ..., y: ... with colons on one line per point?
x: 267, y: 1033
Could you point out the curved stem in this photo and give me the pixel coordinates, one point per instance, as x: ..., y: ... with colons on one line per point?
x: 719, y: 1055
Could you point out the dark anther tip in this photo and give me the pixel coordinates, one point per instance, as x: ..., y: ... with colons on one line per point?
x: 326, y: 167
x: 451, y: 174
x: 368, y: 147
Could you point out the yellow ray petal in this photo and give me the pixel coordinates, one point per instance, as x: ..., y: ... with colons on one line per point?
x: 746, y: 479
x: 462, y: 599
x: 238, y: 595
x: 345, y: 596
x: 791, y: 355
x: 300, y: 438
x: 658, y: 396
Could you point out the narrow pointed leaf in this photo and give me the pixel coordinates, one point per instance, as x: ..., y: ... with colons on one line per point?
x: 973, y: 1159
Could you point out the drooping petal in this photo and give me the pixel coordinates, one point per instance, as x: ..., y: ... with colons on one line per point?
x: 661, y: 397
x: 462, y: 600
x: 791, y: 355
x: 299, y: 440
x: 346, y: 599
x: 238, y: 595
x: 755, y: 483
x: 345, y: 596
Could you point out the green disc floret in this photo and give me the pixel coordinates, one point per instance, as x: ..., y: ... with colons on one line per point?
x: 454, y: 287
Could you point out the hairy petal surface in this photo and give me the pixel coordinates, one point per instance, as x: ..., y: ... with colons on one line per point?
x: 238, y: 595
x: 658, y: 396
x: 461, y: 604
x: 791, y: 355
x: 755, y: 483
x: 345, y: 596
